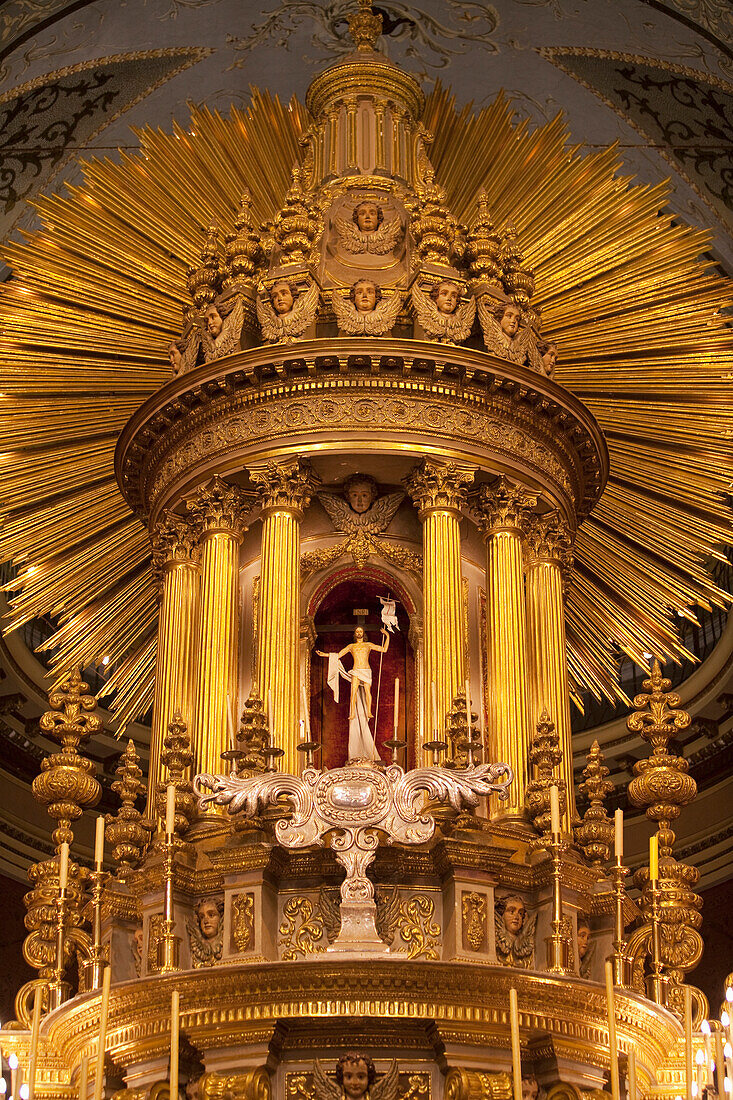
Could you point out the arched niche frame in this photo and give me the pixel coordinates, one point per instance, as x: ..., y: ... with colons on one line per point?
x: 328, y: 620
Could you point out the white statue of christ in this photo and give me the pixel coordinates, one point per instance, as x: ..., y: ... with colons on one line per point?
x: 362, y: 745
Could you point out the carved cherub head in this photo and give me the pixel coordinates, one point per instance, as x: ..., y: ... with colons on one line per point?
x: 530, y: 1087
x: 209, y: 912
x: 368, y: 216
x: 137, y: 940
x: 548, y: 356
x: 175, y: 355
x: 447, y: 296
x: 361, y: 491
x: 283, y: 296
x: 583, y: 937
x: 192, y: 1088
x: 364, y: 295
x: 355, y: 1074
x: 508, y: 315
x: 513, y: 913
x: 213, y: 320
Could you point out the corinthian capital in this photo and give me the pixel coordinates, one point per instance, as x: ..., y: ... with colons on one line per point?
x: 434, y: 485
x: 502, y: 506
x: 285, y: 485
x: 219, y: 506
x: 549, y: 539
x: 174, y: 542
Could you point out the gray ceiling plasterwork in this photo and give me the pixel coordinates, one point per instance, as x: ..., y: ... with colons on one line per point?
x: 686, y: 115
x: 44, y: 121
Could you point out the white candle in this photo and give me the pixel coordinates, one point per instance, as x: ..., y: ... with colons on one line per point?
x: 83, y: 1078
x: 631, y: 1075
x: 613, y: 1051
x: 102, y: 1040
x: 396, y: 705
x: 175, y: 1026
x: 688, y: 1041
x: 516, y: 1050
x: 705, y: 1029
x: 435, y: 708
x: 699, y: 1063
x: 618, y: 823
x: 468, y: 710
x: 63, y: 865
x: 728, y: 1055
x: 729, y: 1025
x: 302, y: 729
x: 554, y: 810
x: 719, y: 1064
x: 270, y: 726
x: 170, y: 809
x: 230, y: 722
x: 306, y: 710
x: 13, y: 1063
x: 99, y: 843
x: 35, y: 1029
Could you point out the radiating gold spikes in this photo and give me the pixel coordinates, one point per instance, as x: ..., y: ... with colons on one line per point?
x: 98, y: 293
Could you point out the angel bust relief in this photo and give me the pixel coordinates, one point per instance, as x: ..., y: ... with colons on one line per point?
x: 284, y: 312
x: 367, y: 231
x: 356, y: 1079
x: 442, y: 314
x: 365, y: 311
x: 514, y: 932
x: 221, y: 327
x: 361, y: 508
x: 206, y: 936
x: 504, y: 334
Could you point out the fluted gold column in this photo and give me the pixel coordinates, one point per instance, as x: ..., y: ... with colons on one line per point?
x: 285, y: 491
x: 219, y: 510
x: 547, y: 552
x: 438, y: 489
x: 500, y: 509
x: 176, y: 563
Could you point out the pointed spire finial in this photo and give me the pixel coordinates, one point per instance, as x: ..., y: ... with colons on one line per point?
x: 365, y: 26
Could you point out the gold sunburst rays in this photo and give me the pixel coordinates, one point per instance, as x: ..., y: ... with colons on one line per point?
x: 99, y: 289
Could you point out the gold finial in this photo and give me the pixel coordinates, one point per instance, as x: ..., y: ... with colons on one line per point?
x: 364, y: 26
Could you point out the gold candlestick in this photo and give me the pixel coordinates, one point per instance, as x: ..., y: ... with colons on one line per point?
x: 169, y: 943
x: 656, y: 981
x: 59, y: 990
x: 621, y: 961
x: 558, y: 952
x: 95, y: 963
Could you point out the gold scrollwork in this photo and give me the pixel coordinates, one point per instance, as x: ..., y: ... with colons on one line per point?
x: 473, y: 907
x: 300, y: 929
x: 418, y: 929
x: 243, y: 921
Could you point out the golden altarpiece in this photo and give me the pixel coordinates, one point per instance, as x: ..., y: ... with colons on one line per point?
x: 371, y: 458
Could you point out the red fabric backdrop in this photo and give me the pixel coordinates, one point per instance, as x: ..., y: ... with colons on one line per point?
x: 335, y: 624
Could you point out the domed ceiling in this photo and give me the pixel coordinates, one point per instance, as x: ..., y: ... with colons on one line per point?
x: 656, y: 78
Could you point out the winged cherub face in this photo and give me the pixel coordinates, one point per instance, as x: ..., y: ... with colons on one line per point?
x: 356, y: 1079
x: 509, y: 321
x: 549, y: 359
x: 365, y: 296
x: 530, y: 1087
x: 366, y: 216
x: 360, y: 496
x: 176, y: 358
x: 281, y: 297
x: 209, y: 919
x: 213, y: 321
x: 446, y: 296
x: 514, y: 914
x: 583, y: 938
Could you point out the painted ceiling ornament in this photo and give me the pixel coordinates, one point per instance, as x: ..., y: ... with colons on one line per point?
x: 442, y: 314
x: 367, y: 230
x: 286, y: 313
x: 366, y: 311
x: 356, y: 805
